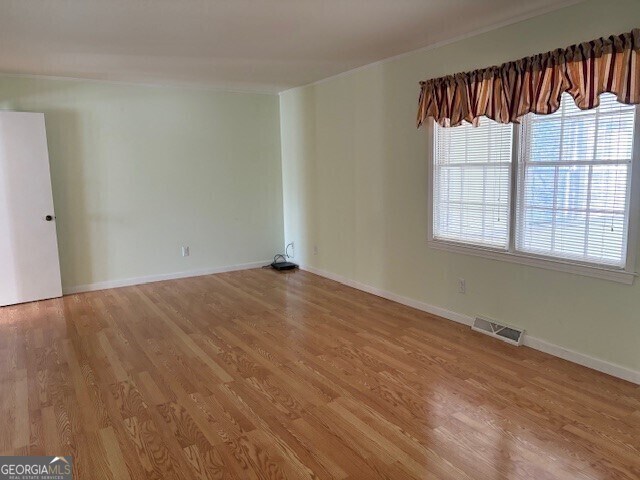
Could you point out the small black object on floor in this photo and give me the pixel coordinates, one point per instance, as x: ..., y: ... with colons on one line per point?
x: 280, y: 263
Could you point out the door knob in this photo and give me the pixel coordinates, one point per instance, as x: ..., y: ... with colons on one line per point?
x: 48, y: 218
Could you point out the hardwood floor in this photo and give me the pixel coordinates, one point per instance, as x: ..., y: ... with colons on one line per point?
x: 257, y: 374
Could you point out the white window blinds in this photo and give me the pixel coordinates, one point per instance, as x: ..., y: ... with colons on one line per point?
x: 471, y: 184
x: 574, y: 177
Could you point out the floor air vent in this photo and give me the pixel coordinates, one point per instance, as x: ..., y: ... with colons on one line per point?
x: 506, y: 333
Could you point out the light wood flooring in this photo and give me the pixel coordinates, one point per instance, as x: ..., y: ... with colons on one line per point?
x: 261, y: 375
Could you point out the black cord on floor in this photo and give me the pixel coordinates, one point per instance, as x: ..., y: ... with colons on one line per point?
x: 275, y: 258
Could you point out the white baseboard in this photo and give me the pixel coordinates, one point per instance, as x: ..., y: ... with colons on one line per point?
x: 536, y: 343
x: 125, y: 282
x: 598, y: 364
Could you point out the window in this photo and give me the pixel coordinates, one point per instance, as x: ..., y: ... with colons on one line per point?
x: 472, y: 176
x: 561, y: 196
x: 574, y: 182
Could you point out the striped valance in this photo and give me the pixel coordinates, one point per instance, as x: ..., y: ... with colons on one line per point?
x: 535, y: 84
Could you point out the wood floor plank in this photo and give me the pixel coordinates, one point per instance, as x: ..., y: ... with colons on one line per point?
x: 261, y: 375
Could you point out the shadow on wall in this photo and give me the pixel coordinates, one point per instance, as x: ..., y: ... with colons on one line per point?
x: 9, y: 240
x: 66, y: 157
x: 379, y: 195
x: 299, y: 179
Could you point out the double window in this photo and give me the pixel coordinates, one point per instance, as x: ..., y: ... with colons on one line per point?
x: 556, y: 191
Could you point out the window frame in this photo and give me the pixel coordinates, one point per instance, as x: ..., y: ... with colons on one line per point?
x: 624, y: 275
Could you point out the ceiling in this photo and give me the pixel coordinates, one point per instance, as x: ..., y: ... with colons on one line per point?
x: 257, y: 45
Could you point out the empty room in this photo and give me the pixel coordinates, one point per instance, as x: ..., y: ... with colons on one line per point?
x: 342, y: 239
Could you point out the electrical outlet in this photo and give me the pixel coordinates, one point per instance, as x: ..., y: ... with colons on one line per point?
x: 315, y: 249
x: 462, y: 285
x: 185, y: 251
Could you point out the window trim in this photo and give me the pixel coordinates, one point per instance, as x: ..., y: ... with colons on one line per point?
x: 624, y: 275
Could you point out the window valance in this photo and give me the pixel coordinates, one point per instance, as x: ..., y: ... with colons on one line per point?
x: 535, y: 84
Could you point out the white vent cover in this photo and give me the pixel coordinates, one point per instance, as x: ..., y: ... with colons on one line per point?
x: 507, y: 333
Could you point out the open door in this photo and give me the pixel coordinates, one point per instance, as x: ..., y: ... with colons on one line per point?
x: 29, y: 264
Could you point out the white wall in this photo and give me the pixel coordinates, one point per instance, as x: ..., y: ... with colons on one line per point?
x: 139, y: 171
x: 355, y: 185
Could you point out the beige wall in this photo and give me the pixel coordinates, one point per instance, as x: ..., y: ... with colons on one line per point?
x: 355, y: 185
x: 139, y: 171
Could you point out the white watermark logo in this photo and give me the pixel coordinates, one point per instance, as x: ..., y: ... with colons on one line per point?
x: 36, y: 468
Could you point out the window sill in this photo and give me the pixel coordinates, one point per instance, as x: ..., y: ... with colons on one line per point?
x: 612, y: 274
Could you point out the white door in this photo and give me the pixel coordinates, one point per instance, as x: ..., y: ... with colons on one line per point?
x: 29, y: 264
